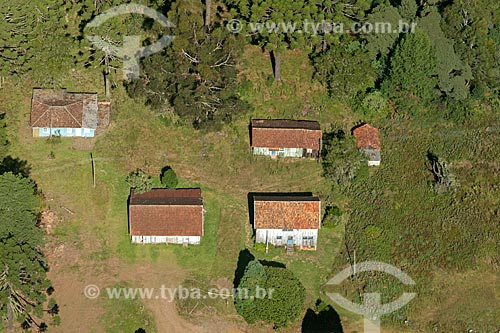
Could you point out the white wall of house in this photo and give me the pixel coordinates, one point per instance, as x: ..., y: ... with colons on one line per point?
x: 282, y: 152
x: 166, y: 239
x: 280, y: 237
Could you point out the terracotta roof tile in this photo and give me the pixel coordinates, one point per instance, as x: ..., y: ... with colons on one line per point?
x: 286, y: 212
x: 58, y: 108
x: 286, y: 134
x: 366, y: 137
x: 163, y: 212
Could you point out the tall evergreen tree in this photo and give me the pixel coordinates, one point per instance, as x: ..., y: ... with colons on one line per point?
x: 475, y: 28
x: 454, y: 76
x: 196, y: 75
x: 412, y: 74
x: 23, y: 267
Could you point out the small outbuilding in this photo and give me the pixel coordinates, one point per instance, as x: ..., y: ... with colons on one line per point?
x: 368, y: 141
x: 166, y: 216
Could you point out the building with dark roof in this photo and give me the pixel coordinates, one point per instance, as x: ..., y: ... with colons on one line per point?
x: 368, y: 141
x: 286, y: 138
x: 286, y: 219
x: 166, y: 216
x: 61, y: 113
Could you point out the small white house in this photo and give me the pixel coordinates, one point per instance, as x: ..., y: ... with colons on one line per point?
x: 368, y: 141
x: 284, y: 219
x: 166, y: 216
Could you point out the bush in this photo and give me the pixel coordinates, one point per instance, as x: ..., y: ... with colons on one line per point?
x: 282, y: 301
x: 169, y: 178
x: 260, y: 247
x: 139, y: 181
x: 374, y: 105
x: 341, y: 160
x: 332, y: 217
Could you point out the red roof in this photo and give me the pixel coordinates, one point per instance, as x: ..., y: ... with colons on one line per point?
x: 287, y: 212
x: 366, y: 137
x: 58, y: 108
x: 286, y: 134
x: 164, y: 212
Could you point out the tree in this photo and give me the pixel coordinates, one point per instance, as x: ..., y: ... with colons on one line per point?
x: 380, y: 44
x: 22, y: 267
x: 168, y: 177
x: 282, y: 300
x: 345, y: 69
x: 246, y: 305
x: 341, y: 160
x: 196, y: 75
x: 453, y: 75
x: 408, y: 9
x: 474, y: 28
x: 139, y: 181
x: 27, y: 48
x: 412, y: 74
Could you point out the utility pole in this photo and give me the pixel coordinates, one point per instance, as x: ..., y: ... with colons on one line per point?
x: 93, y: 169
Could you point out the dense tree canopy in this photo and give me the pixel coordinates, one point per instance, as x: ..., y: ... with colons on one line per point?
x: 282, y: 302
x: 23, y: 266
x: 341, y: 160
x: 196, y: 76
x: 412, y: 73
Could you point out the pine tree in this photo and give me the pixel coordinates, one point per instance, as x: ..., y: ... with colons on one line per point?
x: 412, y: 71
x: 196, y: 75
x: 23, y: 267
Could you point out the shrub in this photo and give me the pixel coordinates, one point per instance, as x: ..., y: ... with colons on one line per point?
x: 139, y: 181
x: 283, y: 298
x: 169, y: 178
x: 332, y: 217
x: 260, y: 247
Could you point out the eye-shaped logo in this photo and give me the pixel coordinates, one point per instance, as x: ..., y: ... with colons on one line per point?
x: 131, y: 51
x: 371, y: 309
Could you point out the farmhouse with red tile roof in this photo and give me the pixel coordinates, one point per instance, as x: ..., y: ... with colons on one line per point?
x: 286, y: 219
x: 368, y: 141
x: 166, y: 216
x: 287, y: 138
x: 57, y: 112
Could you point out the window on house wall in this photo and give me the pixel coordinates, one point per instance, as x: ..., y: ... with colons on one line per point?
x: 308, y: 241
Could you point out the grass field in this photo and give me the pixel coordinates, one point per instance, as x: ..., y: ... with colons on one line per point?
x: 460, y: 264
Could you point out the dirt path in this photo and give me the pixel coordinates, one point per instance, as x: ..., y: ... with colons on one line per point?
x: 70, y: 275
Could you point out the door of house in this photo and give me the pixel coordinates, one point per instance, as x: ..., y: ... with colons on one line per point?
x: 290, y: 240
